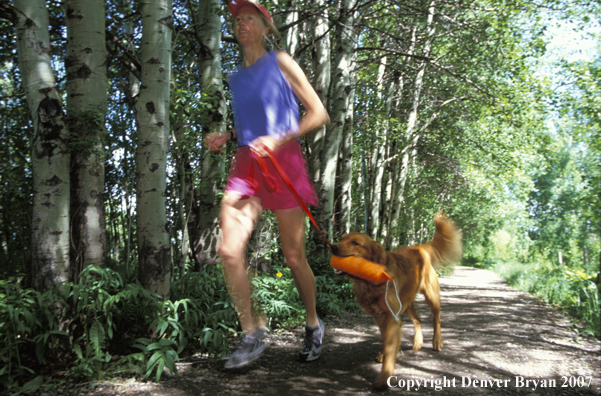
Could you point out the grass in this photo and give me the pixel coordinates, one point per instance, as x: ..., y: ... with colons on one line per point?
x: 574, y: 290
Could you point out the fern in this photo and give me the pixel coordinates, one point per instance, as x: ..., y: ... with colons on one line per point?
x: 111, y: 326
x: 162, y: 353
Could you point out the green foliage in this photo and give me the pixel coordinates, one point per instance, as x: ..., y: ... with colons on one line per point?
x: 96, y: 326
x: 162, y: 353
x: 100, y: 307
x: 574, y: 290
x: 334, y: 295
x: 19, y: 317
x: 278, y: 297
x: 213, y: 318
x: 517, y: 190
x: 102, y: 326
x: 16, y: 184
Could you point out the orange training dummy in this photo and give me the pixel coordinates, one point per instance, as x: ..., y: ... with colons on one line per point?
x: 361, y: 268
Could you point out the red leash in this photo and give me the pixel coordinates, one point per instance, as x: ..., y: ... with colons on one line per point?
x: 271, y: 184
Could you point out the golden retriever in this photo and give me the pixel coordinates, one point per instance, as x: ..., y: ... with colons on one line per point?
x: 413, y: 269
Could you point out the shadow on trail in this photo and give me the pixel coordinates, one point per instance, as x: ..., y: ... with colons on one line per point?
x: 496, y: 341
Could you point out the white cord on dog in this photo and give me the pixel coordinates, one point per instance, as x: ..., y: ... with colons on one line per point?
x: 396, y: 316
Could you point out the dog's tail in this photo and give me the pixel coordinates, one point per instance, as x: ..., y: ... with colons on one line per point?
x: 445, y: 247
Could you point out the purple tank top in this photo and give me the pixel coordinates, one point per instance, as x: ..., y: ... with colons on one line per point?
x: 263, y: 101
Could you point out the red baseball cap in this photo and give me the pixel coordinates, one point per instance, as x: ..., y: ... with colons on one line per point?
x: 234, y: 5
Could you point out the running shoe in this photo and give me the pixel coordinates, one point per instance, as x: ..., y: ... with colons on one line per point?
x: 248, y: 349
x: 313, y: 342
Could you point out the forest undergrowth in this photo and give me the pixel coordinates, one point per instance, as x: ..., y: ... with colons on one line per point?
x: 105, y: 325
x: 575, y: 290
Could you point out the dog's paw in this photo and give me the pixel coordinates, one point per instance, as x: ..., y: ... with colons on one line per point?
x: 381, y: 383
x: 380, y: 358
x: 418, y: 342
x: 437, y: 343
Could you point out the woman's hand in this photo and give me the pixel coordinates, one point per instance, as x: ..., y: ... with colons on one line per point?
x: 215, y: 140
x: 261, y: 145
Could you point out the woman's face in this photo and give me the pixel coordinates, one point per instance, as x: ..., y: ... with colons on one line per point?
x: 249, y: 27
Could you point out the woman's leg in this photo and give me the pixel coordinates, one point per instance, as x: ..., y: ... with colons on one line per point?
x: 237, y: 220
x: 291, y: 223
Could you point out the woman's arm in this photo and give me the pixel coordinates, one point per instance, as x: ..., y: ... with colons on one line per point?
x: 315, y: 116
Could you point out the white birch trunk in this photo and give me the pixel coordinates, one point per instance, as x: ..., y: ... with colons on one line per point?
x: 321, y: 84
x: 291, y: 34
x: 204, y: 228
x: 288, y: 17
x: 183, y: 203
x: 396, y: 86
x: 86, y: 69
x: 399, y: 168
x: 49, y: 152
x: 340, y: 99
x: 152, y: 110
x: 412, y: 132
x: 346, y: 166
x: 379, y: 152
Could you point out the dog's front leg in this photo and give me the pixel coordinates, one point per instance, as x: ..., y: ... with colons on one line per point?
x: 382, y: 322
x: 391, y: 339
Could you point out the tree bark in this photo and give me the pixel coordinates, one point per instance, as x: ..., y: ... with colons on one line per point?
x: 321, y: 84
x: 86, y: 69
x: 204, y: 226
x: 379, y: 153
x: 131, y: 90
x: 50, y: 155
x: 412, y: 132
x: 152, y: 110
x: 291, y: 34
x: 340, y: 99
x: 321, y: 81
x: 185, y: 191
x: 346, y: 168
x: 390, y: 111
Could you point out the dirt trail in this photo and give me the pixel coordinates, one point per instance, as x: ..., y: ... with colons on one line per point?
x: 491, y: 332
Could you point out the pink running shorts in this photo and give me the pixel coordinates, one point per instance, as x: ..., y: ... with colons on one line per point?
x: 290, y: 157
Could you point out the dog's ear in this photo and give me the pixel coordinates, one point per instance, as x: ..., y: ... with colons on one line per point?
x: 377, y: 253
